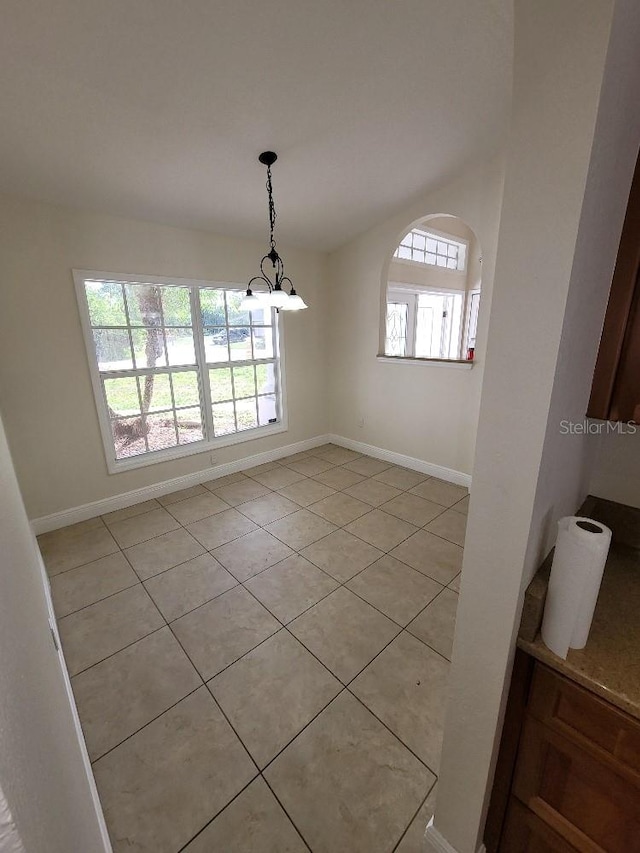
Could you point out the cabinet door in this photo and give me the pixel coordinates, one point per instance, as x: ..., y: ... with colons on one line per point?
x: 591, y: 807
x: 609, y: 735
x: 625, y: 399
x: 525, y: 833
x: 615, y: 393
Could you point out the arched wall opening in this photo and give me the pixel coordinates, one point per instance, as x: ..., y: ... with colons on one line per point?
x: 430, y: 291
x: 424, y: 412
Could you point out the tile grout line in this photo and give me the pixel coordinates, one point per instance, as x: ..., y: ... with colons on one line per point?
x: 185, y: 526
x: 259, y: 773
x: 396, y: 736
x: 297, y: 552
x: 148, y: 723
x: 82, y: 565
x: 343, y: 584
x: 220, y: 708
x: 112, y: 654
x: 219, y: 812
x: 281, y: 804
x: 98, y: 600
x: 205, y: 683
x: 242, y: 583
x: 283, y: 624
x: 435, y: 782
x: 344, y: 687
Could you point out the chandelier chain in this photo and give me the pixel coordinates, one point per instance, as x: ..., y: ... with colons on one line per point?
x: 272, y: 208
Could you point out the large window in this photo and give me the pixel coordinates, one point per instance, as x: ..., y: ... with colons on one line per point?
x: 430, y: 324
x: 433, y: 249
x: 177, y: 367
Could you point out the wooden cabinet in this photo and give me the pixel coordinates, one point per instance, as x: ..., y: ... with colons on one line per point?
x: 584, y: 800
x: 524, y: 832
x: 575, y: 783
x: 615, y: 393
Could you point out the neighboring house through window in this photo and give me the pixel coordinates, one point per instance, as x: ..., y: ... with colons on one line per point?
x: 177, y: 367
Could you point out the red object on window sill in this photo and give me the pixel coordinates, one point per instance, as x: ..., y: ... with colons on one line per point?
x: 470, y: 353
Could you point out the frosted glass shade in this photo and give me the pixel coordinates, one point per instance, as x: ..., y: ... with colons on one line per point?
x: 250, y: 302
x: 279, y: 298
x: 295, y: 303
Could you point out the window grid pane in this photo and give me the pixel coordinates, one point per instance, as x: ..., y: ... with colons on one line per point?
x: 246, y: 413
x: 150, y: 364
x: 189, y: 425
x: 425, y: 248
x: 397, y: 316
x: 238, y: 390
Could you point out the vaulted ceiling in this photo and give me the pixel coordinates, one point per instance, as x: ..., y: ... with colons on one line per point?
x: 157, y: 109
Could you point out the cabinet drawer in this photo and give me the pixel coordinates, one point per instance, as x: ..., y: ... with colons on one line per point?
x: 583, y: 800
x: 579, y: 715
x: 524, y: 832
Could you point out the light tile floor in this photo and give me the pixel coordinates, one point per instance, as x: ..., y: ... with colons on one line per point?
x: 260, y: 662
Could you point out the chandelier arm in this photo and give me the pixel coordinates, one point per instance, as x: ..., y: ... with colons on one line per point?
x: 262, y: 278
x: 277, y: 267
x: 265, y: 275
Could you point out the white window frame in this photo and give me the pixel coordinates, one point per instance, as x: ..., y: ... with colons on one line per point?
x: 473, y: 313
x: 409, y: 294
x: 442, y: 237
x: 152, y: 457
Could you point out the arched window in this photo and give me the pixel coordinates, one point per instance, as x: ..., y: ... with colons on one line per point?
x: 433, y: 292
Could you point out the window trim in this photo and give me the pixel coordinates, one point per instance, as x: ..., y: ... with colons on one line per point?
x: 116, y: 466
x: 460, y: 364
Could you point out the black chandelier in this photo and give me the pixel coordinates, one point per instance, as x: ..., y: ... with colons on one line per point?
x: 274, y: 296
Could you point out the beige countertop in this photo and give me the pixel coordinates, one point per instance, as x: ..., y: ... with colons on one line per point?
x: 609, y: 665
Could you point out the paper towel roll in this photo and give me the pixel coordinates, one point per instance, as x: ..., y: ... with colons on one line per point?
x: 576, y: 573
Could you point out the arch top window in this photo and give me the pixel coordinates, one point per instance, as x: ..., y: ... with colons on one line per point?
x: 432, y: 294
x: 434, y: 249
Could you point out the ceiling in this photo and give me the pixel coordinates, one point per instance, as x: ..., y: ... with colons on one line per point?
x: 157, y: 109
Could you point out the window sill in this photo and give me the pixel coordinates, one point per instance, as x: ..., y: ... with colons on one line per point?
x: 144, y: 459
x: 456, y: 363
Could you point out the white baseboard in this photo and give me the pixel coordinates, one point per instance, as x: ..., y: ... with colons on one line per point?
x: 91, y: 782
x: 437, y: 843
x: 90, y: 510
x: 448, y: 474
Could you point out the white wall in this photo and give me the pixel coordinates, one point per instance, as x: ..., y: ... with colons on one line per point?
x: 616, y: 473
x: 45, y: 390
x: 564, y: 199
x: 405, y: 272
x: 569, y: 461
x: 48, y: 807
x: 426, y: 412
